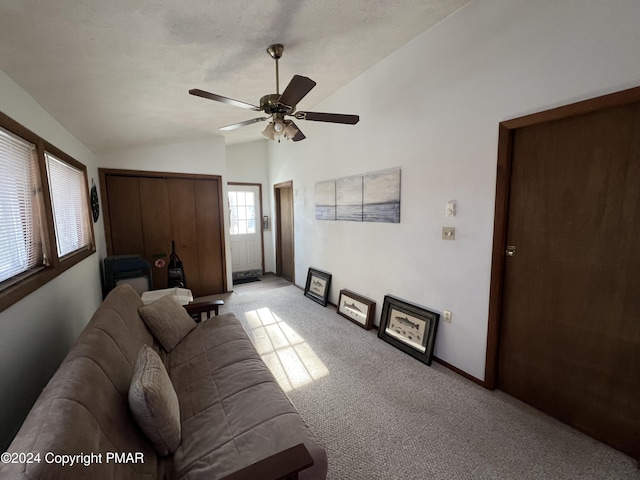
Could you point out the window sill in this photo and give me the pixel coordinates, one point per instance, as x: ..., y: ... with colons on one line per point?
x: 13, y: 291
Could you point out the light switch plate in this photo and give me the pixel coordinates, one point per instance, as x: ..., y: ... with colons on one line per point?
x: 450, y: 209
x: 448, y: 233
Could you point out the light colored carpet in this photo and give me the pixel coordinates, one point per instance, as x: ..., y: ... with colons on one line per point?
x: 383, y: 415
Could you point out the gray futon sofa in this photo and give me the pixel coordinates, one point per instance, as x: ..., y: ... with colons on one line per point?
x: 235, y: 422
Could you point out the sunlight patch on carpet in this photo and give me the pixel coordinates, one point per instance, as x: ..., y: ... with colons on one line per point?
x: 289, y: 357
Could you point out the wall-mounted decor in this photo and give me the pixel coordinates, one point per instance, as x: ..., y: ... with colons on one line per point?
x: 409, y: 327
x: 317, y: 287
x: 95, y: 204
x: 326, y: 200
x: 360, y: 310
x: 349, y: 199
x: 381, y: 196
x: 371, y: 197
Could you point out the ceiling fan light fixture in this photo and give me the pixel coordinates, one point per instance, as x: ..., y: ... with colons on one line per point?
x: 269, y: 132
x: 278, y: 126
x: 290, y: 131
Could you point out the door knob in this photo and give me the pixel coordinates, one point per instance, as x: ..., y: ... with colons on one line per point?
x: 510, y: 251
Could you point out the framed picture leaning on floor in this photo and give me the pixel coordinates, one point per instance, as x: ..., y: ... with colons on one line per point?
x: 360, y: 310
x: 317, y: 287
x: 409, y: 327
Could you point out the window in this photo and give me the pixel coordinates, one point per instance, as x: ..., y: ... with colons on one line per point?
x: 20, y: 214
x: 242, y: 212
x: 45, y: 226
x: 67, y: 187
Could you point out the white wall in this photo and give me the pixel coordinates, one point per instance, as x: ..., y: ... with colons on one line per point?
x: 249, y: 163
x: 205, y: 157
x: 37, y: 332
x: 433, y: 108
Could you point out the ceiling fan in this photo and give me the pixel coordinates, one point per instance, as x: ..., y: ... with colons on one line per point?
x: 279, y: 106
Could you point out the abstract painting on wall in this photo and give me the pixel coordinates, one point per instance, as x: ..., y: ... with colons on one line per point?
x: 349, y: 198
x: 381, y: 196
x: 371, y: 197
x: 326, y: 200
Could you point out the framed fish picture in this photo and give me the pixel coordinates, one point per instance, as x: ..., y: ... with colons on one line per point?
x: 409, y: 327
x: 360, y: 310
x: 317, y: 287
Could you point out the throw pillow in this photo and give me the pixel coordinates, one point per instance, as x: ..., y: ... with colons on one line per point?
x: 168, y: 321
x: 154, y: 403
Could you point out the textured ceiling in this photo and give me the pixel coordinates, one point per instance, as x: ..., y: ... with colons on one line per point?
x: 116, y: 73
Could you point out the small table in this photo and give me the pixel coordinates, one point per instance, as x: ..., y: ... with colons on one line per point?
x: 196, y: 309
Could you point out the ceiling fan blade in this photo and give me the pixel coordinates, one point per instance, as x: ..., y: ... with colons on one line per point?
x: 298, y: 87
x: 299, y: 135
x: 219, y: 98
x: 243, y: 124
x: 328, y: 117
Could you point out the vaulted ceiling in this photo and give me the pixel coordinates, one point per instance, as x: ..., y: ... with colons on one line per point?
x: 116, y: 73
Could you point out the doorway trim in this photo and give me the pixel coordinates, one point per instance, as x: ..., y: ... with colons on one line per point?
x: 259, y: 219
x: 278, y: 229
x: 503, y: 184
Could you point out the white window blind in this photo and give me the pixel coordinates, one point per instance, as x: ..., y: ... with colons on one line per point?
x: 68, y: 189
x: 20, y: 217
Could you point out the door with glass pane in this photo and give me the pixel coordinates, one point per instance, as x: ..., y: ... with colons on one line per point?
x: 245, y: 214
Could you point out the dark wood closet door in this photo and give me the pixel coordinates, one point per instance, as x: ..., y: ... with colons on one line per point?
x: 157, y: 226
x: 570, y: 333
x: 145, y: 213
x: 123, y: 209
x: 195, y: 214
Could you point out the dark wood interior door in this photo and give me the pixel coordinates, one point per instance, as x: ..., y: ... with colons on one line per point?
x: 285, y: 265
x: 145, y: 212
x: 570, y: 322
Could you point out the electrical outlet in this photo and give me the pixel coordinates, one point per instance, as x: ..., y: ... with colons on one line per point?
x: 448, y: 233
x: 447, y: 316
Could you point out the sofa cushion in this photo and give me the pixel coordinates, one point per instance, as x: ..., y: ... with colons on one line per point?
x: 154, y: 403
x: 232, y: 410
x: 168, y: 321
